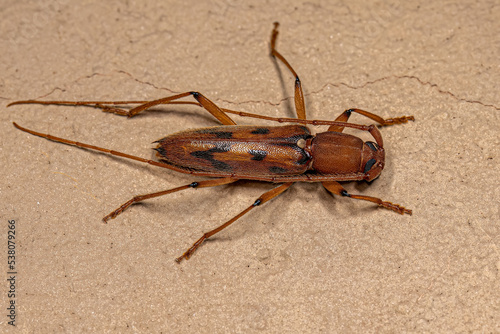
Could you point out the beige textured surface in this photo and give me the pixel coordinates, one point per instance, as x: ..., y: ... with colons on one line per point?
x: 305, y: 262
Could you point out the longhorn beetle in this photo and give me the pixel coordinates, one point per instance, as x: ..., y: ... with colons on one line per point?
x: 279, y: 154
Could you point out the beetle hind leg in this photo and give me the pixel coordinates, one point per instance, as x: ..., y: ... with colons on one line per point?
x: 267, y: 196
x: 337, y: 189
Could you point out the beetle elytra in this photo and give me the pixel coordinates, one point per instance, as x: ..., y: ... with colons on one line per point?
x: 280, y: 154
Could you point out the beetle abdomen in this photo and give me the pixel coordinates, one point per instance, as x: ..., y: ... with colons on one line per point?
x: 240, y: 150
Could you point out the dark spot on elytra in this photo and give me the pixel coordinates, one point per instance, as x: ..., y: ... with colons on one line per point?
x: 306, y: 157
x: 223, y: 134
x: 161, y: 151
x: 258, y: 155
x: 222, y: 166
x: 296, y: 138
x: 291, y: 141
x: 277, y: 170
x: 209, y: 156
x: 217, y: 134
x: 260, y: 131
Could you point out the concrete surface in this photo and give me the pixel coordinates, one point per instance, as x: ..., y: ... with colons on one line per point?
x: 305, y: 262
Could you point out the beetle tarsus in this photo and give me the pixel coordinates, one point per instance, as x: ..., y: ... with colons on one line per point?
x: 191, y: 250
x: 398, y: 120
x: 180, y: 258
x: 396, y: 208
x: 108, y: 217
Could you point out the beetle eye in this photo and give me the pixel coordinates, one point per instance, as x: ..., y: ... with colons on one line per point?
x: 369, y: 165
x: 371, y: 145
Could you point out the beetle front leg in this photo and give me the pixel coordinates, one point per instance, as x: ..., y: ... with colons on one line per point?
x: 344, y: 117
x: 336, y: 188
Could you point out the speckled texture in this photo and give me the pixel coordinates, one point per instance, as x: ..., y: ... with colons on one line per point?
x: 305, y: 262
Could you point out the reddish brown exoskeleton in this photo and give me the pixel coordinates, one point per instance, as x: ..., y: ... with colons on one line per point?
x: 280, y: 154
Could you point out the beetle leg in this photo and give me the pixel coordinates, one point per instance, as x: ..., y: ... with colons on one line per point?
x: 140, y: 198
x: 269, y: 195
x: 337, y: 189
x: 116, y: 153
x: 205, y: 103
x: 344, y: 117
x: 299, y: 95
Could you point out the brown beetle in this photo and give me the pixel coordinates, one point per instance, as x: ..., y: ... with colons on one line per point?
x: 280, y: 154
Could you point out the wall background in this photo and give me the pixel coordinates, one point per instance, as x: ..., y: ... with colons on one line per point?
x: 305, y: 262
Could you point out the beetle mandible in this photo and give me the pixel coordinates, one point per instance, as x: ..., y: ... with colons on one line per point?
x: 280, y: 154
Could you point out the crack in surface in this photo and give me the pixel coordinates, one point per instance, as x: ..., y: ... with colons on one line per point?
x: 147, y: 82
x: 275, y: 104
x: 423, y: 83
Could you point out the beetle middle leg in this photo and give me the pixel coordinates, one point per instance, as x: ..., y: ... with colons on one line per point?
x: 267, y: 196
x: 336, y: 188
x: 140, y: 198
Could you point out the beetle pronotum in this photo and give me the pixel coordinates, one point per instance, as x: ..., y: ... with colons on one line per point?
x: 279, y: 154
